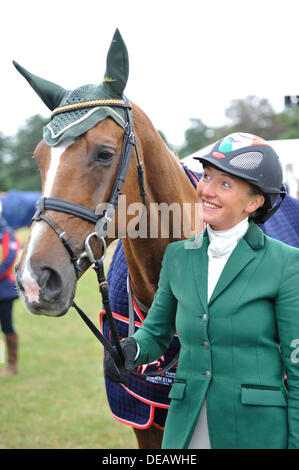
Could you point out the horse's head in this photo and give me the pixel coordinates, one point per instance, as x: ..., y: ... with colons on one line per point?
x: 78, y: 161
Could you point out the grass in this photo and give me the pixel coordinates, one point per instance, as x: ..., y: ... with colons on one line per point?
x: 58, y: 399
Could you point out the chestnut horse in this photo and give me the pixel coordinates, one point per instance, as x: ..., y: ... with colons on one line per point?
x: 82, y: 169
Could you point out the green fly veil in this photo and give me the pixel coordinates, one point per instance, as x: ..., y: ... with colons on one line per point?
x: 76, y: 111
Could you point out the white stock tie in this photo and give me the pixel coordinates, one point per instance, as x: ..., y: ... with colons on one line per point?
x: 222, y: 242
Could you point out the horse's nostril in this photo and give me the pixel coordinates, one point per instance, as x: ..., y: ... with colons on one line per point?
x: 50, y: 283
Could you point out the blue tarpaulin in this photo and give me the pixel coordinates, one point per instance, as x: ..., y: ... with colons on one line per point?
x: 18, y: 207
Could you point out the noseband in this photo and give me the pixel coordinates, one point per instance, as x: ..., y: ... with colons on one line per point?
x: 76, y: 210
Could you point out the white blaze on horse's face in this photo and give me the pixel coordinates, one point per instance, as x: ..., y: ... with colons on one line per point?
x: 56, y: 155
x: 31, y: 292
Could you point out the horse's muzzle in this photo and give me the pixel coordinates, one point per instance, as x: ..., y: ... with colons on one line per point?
x: 47, y: 291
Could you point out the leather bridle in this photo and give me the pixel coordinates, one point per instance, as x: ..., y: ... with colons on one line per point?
x: 76, y: 210
x: 100, y: 220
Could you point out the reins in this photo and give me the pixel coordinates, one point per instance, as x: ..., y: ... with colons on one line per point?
x: 98, y: 266
x: 118, y: 359
x: 101, y: 221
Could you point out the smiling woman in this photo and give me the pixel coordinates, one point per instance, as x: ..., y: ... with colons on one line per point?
x: 233, y: 301
x: 226, y: 199
x: 243, y: 160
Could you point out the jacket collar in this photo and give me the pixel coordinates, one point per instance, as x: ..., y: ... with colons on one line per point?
x: 254, y: 236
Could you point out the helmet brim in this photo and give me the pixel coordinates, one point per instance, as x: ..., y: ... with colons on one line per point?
x: 206, y: 159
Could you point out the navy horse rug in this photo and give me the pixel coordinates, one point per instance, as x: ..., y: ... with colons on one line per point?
x: 144, y: 401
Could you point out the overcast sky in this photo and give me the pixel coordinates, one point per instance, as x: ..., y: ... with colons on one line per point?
x: 188, y: 59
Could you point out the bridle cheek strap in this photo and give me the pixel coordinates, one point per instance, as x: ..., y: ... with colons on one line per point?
x: 64, y: 239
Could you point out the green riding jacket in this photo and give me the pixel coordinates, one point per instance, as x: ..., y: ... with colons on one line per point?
x: 236, y: 348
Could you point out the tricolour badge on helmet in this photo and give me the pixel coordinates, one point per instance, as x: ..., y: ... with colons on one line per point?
x: 239, y: 140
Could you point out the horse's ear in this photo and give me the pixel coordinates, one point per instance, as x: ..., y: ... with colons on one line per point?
x: 117, y: 65
x: 49, y: 92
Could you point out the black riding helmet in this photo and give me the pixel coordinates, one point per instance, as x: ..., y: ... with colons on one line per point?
x: 252, y: 159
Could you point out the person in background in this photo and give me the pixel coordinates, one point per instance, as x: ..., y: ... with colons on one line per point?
x: 9, y: 247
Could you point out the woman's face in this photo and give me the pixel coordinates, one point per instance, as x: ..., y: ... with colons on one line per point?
x: 226, y: 199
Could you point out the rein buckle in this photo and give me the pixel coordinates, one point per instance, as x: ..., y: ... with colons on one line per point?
x: 88, y: 253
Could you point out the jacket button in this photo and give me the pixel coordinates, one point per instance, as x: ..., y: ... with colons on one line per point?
x: 207, y: 374
x: 206, y: 344
x: 204, y: 317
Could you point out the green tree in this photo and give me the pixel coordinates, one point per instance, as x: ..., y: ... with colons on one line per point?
x: 20, y: 168
x: 196, y: 137
x: 289, y: 123
x: 253, y: 115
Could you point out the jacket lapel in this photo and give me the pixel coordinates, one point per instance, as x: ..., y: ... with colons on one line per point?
x: 200, y: 268
x: 239, y: 259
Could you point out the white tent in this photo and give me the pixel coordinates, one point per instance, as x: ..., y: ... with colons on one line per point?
x: 287, y: 150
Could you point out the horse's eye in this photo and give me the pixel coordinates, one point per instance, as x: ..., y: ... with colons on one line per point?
x: 103, y: 156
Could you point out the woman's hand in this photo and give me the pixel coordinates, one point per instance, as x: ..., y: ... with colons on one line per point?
x: 129, y: 350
